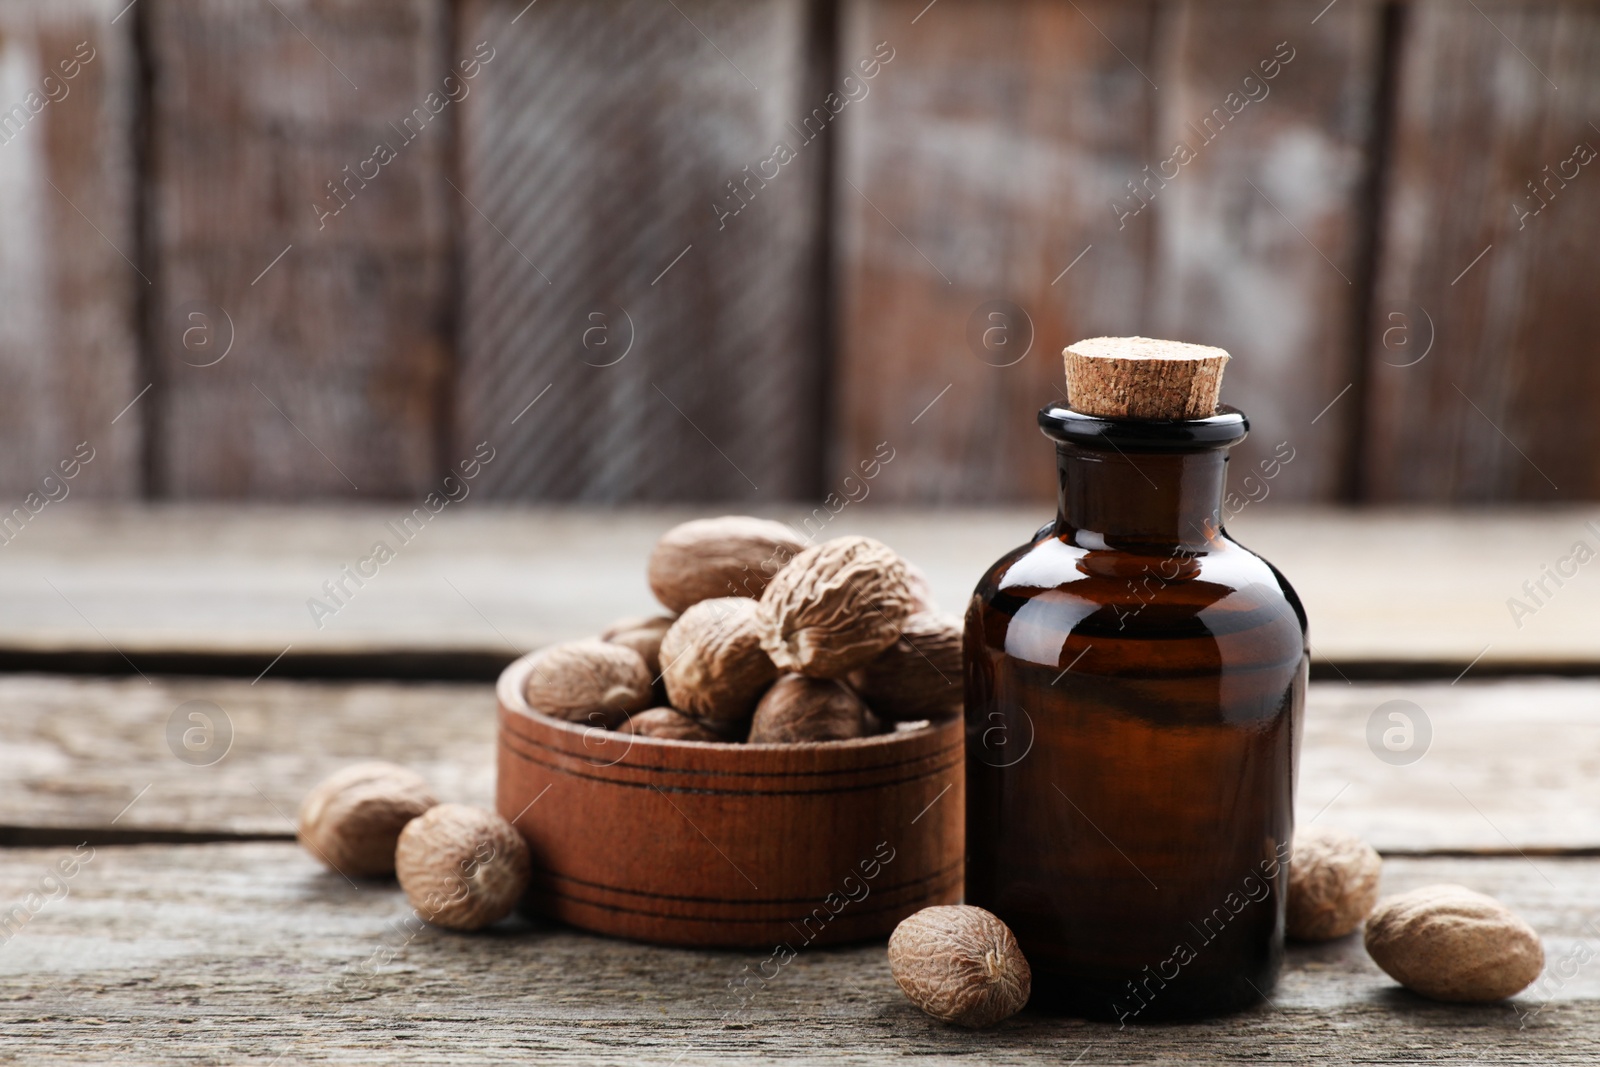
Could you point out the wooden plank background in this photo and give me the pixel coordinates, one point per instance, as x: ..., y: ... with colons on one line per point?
x: 1357, y: 229
x: 674, y: 352
x: 1260, y: 242
x: 1505, y: 406
x: 983, y: 164
x: 340, y: 349
x: 69, y: 276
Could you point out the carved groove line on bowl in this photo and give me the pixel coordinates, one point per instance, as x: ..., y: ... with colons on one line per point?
x: 917, y: 887
x: 530, y: 757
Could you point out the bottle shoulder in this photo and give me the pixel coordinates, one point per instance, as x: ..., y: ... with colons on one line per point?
x: 1053, y: 563
x: 1052, y: 588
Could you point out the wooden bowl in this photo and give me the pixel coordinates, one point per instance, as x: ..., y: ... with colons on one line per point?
x: 691, y: 843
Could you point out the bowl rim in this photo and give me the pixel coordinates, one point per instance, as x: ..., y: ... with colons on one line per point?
x: 510, y: 689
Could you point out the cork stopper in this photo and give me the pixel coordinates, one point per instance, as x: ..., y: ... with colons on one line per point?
x: 1143, y: 378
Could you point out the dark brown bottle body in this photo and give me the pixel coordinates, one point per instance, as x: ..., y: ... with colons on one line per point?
x: 1135, y: 683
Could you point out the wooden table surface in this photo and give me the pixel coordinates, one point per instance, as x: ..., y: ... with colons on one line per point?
x: 196, y: 931
x: 1382, y: 586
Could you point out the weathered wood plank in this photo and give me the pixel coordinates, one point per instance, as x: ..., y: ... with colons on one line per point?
x: 1487, y: 253
x: 252, y: 952
x: 69, y: 271
x: 1006, y: 142
x: 79, y: 752
x: 1381, y: 587
x: 1505, y: 765
x: 1418, y: 586
x: 1257, y: 191
x: 982, y: 166
x: 676, y: 325
x: 1494, y: 766
x: 323, y: 260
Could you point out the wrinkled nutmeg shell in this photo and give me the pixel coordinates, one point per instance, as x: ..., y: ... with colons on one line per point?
x: 835, y: 607
x: 671, y: 724
x: 353, y: 818
x: 589, y: 682
x: 798, y: 709
x: 1333, y: 884
x: 462, y: 867
x: 920, y: 675
x: 1449, y: 943
x: 642, y: 634
x: 960, y: 964
x: 714, y: 665
x: 734, y: 555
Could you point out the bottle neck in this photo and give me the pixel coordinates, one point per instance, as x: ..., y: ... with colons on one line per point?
x: 1143, y: 501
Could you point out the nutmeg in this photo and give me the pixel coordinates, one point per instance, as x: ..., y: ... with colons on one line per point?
x: 920, y: 675
x: 1333, y: 884
x: 671, y: 724
x: 734, y: 555
x: 713, y: 663
x: 835, y: 607
x: 462, y: 867
x: 642, y: 634
x: 960, y: 964
x: 798, y: 708
x: 1450, y: 943
x: 589, y: 682
x: 353, y: 818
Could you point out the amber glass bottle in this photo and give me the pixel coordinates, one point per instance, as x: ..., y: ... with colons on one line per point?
x: 1135, y: 683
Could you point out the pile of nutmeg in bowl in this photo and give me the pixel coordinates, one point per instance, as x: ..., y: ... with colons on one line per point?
x: 767, y: 641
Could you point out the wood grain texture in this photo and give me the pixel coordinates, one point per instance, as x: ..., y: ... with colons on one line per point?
x: 77, y: 753
x: 1499, y: 765
x: 1381, y: 587
x: 1050, y: 140
x: 680, y: 343
x: 253, y: 952
x: 1511, y: 764
x: 984, y: 162
x: 1416, y: 586
x: 685, y: 843
x: 69, y: 272
x: 1259, y: 238
x: 339, y: 348
x: 1505, y: 404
